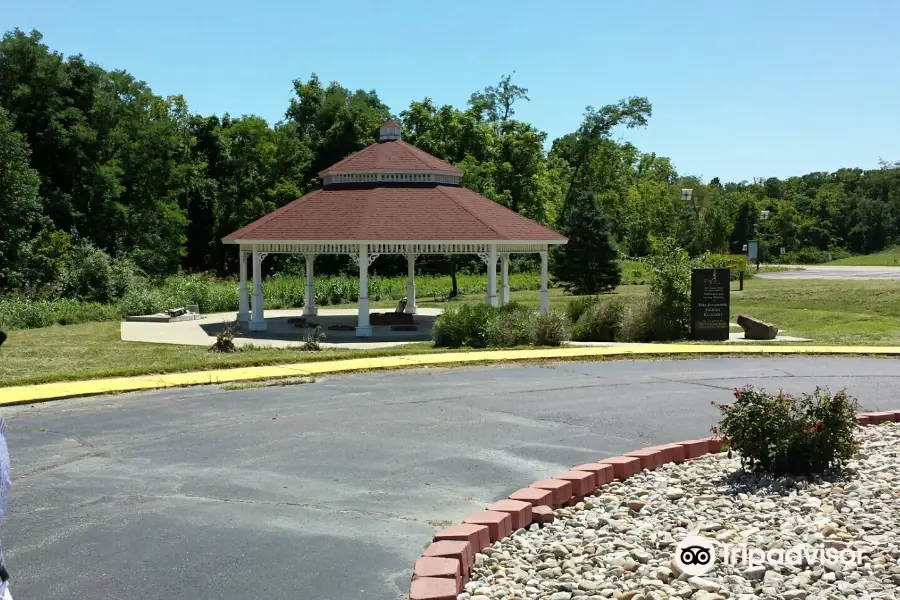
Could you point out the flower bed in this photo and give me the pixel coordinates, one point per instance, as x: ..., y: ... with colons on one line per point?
x: 621, y: 542
x: 618, y: 529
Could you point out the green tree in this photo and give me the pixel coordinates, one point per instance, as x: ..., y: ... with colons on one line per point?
x: 332, y: 122
x: 599, y: 124
x: 21, y: 217
x: 495, y: 103
x: 744, y: 225
x: 588, y: 263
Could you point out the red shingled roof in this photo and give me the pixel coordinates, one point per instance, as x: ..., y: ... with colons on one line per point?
x: 391, y: 155
x: 390, y: 123
x: 394, y: 214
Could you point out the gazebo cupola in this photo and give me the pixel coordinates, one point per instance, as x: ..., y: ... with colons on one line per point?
x: 388, y: 198
x: 390, y: 161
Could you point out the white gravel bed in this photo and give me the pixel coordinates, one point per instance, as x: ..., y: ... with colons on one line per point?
x: 621, y: 542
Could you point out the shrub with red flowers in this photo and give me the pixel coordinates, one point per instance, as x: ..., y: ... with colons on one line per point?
x: 783, y: 434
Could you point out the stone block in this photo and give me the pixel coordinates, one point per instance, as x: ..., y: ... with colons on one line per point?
x: 754, y: 329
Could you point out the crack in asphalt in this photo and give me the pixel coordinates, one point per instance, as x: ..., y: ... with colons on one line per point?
x: 697, y: 383
x: 91, y: 453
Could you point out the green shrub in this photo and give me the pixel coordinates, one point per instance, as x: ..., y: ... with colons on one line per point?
x: 550, y: 330
x: 637, y: 321
x: 812, y: 256
x: 87, y: 275
x: 782, y: 434
x: 449, y: 329
x: 481, y: 326
x: 736, y: 262
x: 578, y: 306
x: 464, y: 325
x: 477, y: 318
x: 670, y: 292
x: 601, y: 322
x: 513, y: 325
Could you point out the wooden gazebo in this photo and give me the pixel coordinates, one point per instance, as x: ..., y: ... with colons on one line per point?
x: 389, y: 198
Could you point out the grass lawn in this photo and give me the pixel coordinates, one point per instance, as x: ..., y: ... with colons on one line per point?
x: 829, y: 312
x: 885, y: 258
x: 92, y: 350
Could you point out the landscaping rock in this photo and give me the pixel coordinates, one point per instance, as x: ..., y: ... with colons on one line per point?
x: 612, y: 551
x: 754, y: 329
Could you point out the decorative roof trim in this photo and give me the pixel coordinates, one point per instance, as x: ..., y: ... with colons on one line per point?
x: 403, y: 247
x: 499, y: 242
x: 379, y: 176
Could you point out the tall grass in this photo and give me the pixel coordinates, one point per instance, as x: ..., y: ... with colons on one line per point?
x: 222, y: 296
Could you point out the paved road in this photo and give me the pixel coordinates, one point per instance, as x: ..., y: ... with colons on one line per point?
x: 330, y: 490
x: 835, y: 272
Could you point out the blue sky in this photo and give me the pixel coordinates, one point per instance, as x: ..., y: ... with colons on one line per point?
x: 740, y: 89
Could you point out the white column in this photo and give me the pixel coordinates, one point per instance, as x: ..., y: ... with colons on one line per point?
x: 363, y: 329
x: 309, y: 306
x: 257, y: 322
x: 243, y: 293
x: 492, y: 276
x: 504, y: 279
x: 411, y: 284
x: 545, y: 297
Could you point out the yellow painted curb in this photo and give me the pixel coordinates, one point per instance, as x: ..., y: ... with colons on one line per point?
x: 71, y: 389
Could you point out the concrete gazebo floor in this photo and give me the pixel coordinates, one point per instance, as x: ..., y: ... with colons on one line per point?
x: 281, y: 334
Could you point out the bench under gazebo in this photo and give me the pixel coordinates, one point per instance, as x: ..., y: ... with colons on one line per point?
x: 389, y: 198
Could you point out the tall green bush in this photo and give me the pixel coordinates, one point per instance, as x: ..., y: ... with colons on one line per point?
x: 513, y: 325
x: 638, y: 321
x: 87, y: 275
x: 578, y: 306
x: 550, y: 330
x: 670, y: 291
x: 601, y: 321
x: 464, y: 325
x: 90, y: 275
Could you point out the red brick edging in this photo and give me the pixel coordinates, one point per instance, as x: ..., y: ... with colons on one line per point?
x: 444, y: 567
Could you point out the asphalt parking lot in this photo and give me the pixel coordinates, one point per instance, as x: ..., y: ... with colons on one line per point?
x: 330, y: 490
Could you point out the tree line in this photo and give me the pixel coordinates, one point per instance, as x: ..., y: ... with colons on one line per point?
x: 92, y: 160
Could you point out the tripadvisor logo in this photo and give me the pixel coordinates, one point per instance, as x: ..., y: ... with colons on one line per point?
x: 697, y: 555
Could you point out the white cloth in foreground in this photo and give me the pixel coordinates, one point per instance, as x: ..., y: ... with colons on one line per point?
x: 5, y: 482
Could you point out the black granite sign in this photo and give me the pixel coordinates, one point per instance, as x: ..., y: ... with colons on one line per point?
x: 710, y: 304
